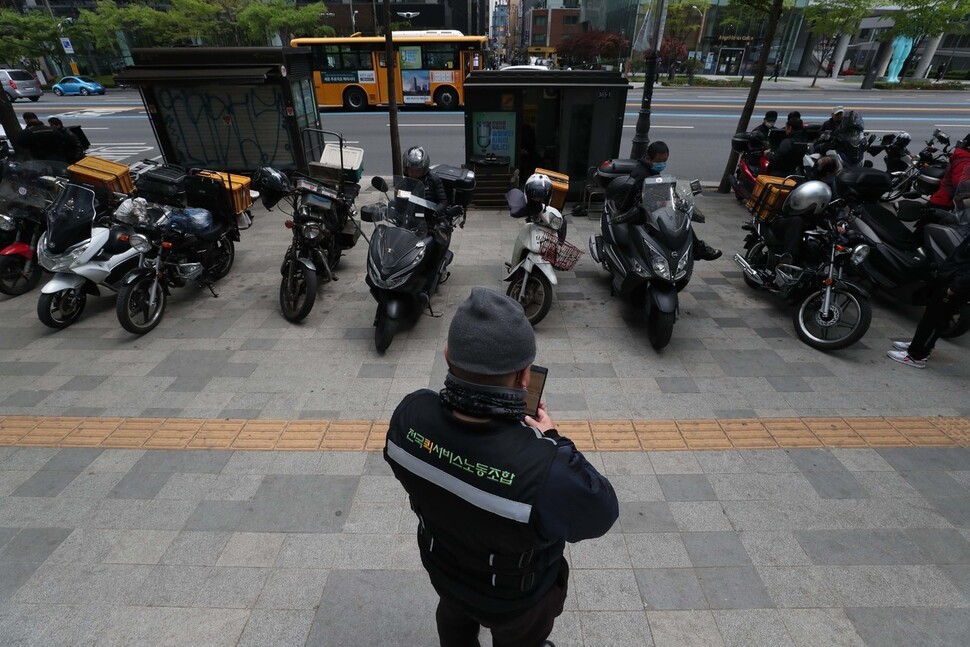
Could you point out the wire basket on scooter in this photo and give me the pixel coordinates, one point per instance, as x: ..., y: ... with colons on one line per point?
x: 562, y: 255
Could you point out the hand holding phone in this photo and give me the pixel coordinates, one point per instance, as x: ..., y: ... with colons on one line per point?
x: 537, y: 382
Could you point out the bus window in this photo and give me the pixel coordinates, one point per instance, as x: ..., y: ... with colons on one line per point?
x: 345, y: 57
x: 441, y: 56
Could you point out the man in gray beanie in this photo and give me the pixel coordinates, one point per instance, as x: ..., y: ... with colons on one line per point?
x: 497, y: 493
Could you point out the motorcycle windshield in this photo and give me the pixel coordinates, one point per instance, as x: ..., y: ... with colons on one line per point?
x: 22, y: 184
x: 404, y: 209
x: 395, y: 248
x: 69, y: 218
x: 662, y: 205
x: 852, y: 128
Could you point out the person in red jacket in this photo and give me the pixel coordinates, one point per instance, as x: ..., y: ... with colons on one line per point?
x: 951, y: 193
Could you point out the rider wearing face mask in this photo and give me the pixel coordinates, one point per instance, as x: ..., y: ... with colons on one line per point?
x: 766, y: 126
x: 655, y: 163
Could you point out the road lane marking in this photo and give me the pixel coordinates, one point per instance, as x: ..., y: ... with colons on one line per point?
x: 426, y: 125
x: 659, y: 126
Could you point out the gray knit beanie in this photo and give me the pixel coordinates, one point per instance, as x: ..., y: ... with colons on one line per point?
x: 490, y: 335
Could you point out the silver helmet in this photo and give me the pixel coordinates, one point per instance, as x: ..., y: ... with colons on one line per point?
x: 809, y: 198
x: 416, y: 162
x: 539, y: 188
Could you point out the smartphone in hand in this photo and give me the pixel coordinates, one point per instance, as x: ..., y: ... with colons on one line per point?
x: 537, y: 382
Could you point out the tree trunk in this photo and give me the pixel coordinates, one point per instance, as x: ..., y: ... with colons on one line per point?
x: 818, y: 68
x: 391, y: 61
x: 773, y: 18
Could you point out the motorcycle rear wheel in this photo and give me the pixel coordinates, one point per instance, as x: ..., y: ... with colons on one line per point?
x: 13, y: 281
x: 958, y: 325
x: 297, y: 296
x: 384, y: 331
x: 757, y: 257
x: 537, y: 299
x: 222, y: 256
x: 61, y: 309
x: 133, y: 307
x: 660, y: 327
x: 838, y: 332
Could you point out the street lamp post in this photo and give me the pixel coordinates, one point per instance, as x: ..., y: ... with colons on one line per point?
x: 642, y: 135
x: 700, y: 34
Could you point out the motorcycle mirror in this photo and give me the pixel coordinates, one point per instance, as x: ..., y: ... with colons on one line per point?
x: 695, y: 187
x: 379, y: 183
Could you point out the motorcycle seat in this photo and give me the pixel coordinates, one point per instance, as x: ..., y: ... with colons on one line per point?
x: 215, y: 231
x: 888, y: 227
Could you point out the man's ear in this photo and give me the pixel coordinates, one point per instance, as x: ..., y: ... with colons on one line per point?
x: 523, y: 376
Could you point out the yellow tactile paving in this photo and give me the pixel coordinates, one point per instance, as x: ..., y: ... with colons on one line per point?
x: 600, y: 435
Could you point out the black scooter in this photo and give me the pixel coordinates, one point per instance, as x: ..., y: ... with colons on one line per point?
x: 901, y: 262
x: 406, y: 251
x: 646, y: 243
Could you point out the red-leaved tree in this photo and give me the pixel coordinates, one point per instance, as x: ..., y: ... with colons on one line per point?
x: 591, y: 47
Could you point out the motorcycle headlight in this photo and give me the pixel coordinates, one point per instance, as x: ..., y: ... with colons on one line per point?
x: 140, y: 243
x: 682, y: 265
x: 78, y: 252
x: 658, y: 262
x: 6, y: 222
x: 312, y: 231
x: 859, y: 254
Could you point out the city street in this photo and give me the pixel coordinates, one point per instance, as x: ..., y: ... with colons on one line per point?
x: 696, y: 123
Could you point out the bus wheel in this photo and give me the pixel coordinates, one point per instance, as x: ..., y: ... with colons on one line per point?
x: 355, y: 99
x: 446, y: 99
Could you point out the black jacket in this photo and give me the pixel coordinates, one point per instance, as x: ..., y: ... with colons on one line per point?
x: 955, y: 270
x: 788, y: 158
x: 435, y: 191
x: 496, y: 501
x: 42, y: 142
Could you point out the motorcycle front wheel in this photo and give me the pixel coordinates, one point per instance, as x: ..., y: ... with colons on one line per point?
x: 846, y: 323
x: 61, y: 309
x: 14, y: 281
x: 297, y: 295
x: 135, y: 312
x: 660, y: 327
x: 384, y: 331
x: 537, y: 297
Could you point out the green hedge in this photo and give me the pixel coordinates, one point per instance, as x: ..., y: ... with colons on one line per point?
x: 700, y: 81
x: 920, y: 85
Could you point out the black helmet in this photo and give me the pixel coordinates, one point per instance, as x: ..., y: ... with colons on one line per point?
x: 271, y: 184
x: 416, y: 162
x: 539, y: 188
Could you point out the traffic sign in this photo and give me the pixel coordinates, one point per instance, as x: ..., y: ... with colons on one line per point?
x: 66, y: 44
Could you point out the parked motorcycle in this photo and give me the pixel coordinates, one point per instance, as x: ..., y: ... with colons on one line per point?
x: 914, y: 174
x: 323, y: 227
x: 831, y: 312
x: 405, y: 254
x: 182, y: 245
x: 25, y: 192
x: 87, y: 250
x: 537, y: 253
x: 752, y: 162
x: 902, y: 263
x: 647, y: 246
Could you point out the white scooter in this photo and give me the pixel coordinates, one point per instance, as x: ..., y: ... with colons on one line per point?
x: 539, y: 250
x: 86, y: 249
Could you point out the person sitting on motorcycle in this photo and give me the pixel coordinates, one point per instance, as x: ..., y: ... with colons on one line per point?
x: 417, y: 165
x: 833, y: 122
x: 767, y: 125
x: 787, y: 160
x: 957, y: 173
x: 654, y: 163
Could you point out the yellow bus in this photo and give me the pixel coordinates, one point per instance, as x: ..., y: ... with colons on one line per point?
x: 431, y: 68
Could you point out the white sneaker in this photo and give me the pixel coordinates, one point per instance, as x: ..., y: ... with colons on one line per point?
x: 903, y: 357
x: 901, y: 345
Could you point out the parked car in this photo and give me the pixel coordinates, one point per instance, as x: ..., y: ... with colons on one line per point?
x: 20, y: 84
x: 77, y: 85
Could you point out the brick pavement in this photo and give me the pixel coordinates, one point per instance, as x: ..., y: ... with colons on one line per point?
x: 853, y: 543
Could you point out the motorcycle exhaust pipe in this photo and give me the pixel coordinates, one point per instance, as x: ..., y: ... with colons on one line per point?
x: 750, y: 271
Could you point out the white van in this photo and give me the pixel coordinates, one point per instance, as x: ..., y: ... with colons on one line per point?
x: 20, y: 84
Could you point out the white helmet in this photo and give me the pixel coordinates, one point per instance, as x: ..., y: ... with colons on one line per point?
x: 539, y: 188
x: 809, y: 198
